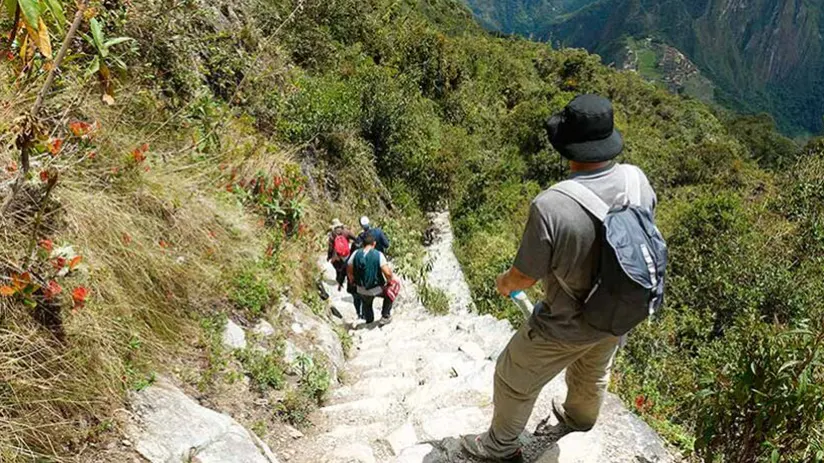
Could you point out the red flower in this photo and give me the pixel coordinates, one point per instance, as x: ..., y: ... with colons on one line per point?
x: 44, y: 175
x: 52, y: 289
x: 92, y: 154
x: 126, y: 238
x: 59, y: 263
x: 639, y: 403
x: 55, y: 145
x: 278, y: 181
x: 12, y: 167
x: 144, y: 147
x: 9, y: 56
x: 46, y: 245
x: 79, y: 296
x: 163, y: 244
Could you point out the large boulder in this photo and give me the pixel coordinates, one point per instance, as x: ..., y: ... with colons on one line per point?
x: 310, y: 334
x: 170, y: 427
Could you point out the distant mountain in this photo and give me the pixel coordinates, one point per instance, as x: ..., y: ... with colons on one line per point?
x: 762, y: 55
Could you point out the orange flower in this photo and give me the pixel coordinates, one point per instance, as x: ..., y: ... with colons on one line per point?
x: 46, y: 245
x: 55, y: 145
x: 79, y: 296
x: 75, y: 262
x: 80, y: 128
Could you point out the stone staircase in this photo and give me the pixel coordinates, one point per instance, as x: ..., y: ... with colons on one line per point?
x: 413, y: 386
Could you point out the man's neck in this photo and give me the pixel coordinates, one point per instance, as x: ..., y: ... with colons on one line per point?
x: 575, y: 166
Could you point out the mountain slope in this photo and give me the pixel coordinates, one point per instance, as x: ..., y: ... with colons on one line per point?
x: 240, y: 128
x: 762, y: 55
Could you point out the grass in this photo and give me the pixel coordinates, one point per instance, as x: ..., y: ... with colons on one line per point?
x: 157, y: 242
x: 434, y: 299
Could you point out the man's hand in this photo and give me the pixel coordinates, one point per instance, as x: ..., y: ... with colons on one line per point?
x: 513, y: 280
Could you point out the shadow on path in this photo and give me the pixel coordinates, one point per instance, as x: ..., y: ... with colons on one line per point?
x: 540, y: 447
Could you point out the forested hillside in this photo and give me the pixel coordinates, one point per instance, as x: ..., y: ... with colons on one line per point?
x: 762, y: 55
x: 190, y: 154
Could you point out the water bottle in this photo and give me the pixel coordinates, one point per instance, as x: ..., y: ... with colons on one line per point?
x: 522, y: 301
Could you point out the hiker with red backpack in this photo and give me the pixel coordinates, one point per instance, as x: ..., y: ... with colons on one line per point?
x: 339, y: 249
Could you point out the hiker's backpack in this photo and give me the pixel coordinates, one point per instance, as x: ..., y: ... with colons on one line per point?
x: 342, y: 246
x: 629, y: 285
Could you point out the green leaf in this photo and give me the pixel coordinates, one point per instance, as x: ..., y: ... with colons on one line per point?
x: 56, y: 10
x: 31, y: 303
x: 116, y: 41
x: 788, y: 365
x: 31, y: 12
x: 94, y: 66
x: 97, y: 35
x: 119, y: 62
x: 11, y: 7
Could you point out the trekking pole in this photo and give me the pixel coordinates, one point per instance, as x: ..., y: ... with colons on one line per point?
x: 522, y: 301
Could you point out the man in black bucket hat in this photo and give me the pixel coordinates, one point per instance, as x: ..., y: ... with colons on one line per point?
x: 561, y: 248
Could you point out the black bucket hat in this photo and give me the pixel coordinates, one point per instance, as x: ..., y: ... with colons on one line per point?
x: 584, y: 131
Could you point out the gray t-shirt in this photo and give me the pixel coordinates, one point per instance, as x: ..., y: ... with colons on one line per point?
x: 562, y: 240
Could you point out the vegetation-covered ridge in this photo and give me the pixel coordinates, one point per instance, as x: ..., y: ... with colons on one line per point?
x: 238, y: 128
x: 762, y: 56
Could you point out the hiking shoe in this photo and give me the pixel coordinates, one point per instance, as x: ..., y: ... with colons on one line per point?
x: 473, y: 446
x: 385, y: 321
x: 560, y: 413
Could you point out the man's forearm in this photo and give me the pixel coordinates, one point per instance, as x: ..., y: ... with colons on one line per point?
x: 513, y: 280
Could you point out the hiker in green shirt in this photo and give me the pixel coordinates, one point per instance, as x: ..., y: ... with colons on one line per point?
x: 369, y: 271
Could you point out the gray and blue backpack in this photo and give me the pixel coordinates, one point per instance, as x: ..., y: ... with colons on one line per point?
x: 629, y: 284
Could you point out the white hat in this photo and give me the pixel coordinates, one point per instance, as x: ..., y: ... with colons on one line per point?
x: 336, y: 224
x: 364, y: 221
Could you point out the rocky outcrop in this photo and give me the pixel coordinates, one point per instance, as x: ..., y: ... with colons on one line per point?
x: 170, y: 427
x: 415, y: 385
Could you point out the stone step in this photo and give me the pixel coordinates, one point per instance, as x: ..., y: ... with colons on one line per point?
x: 364, y: 411
x: 451, y: 422
x: 374, y: 387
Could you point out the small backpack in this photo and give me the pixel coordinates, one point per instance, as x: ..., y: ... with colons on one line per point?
x: 342, y: 246
x: 629, y: 285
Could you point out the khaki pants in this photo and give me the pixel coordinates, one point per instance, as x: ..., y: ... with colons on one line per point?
x: 527, y: 364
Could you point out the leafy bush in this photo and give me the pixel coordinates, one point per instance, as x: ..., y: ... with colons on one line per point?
x: 250, y: 291
x: 265, y: 368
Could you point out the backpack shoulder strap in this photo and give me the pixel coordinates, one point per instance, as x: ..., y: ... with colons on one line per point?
x: 633, y: 178
x: 583, y: 196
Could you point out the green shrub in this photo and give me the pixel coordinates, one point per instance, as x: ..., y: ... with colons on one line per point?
x: 250, y: 291
x: 265, y: 368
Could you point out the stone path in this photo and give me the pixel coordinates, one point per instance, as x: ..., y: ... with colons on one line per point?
x: 415, y: 385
